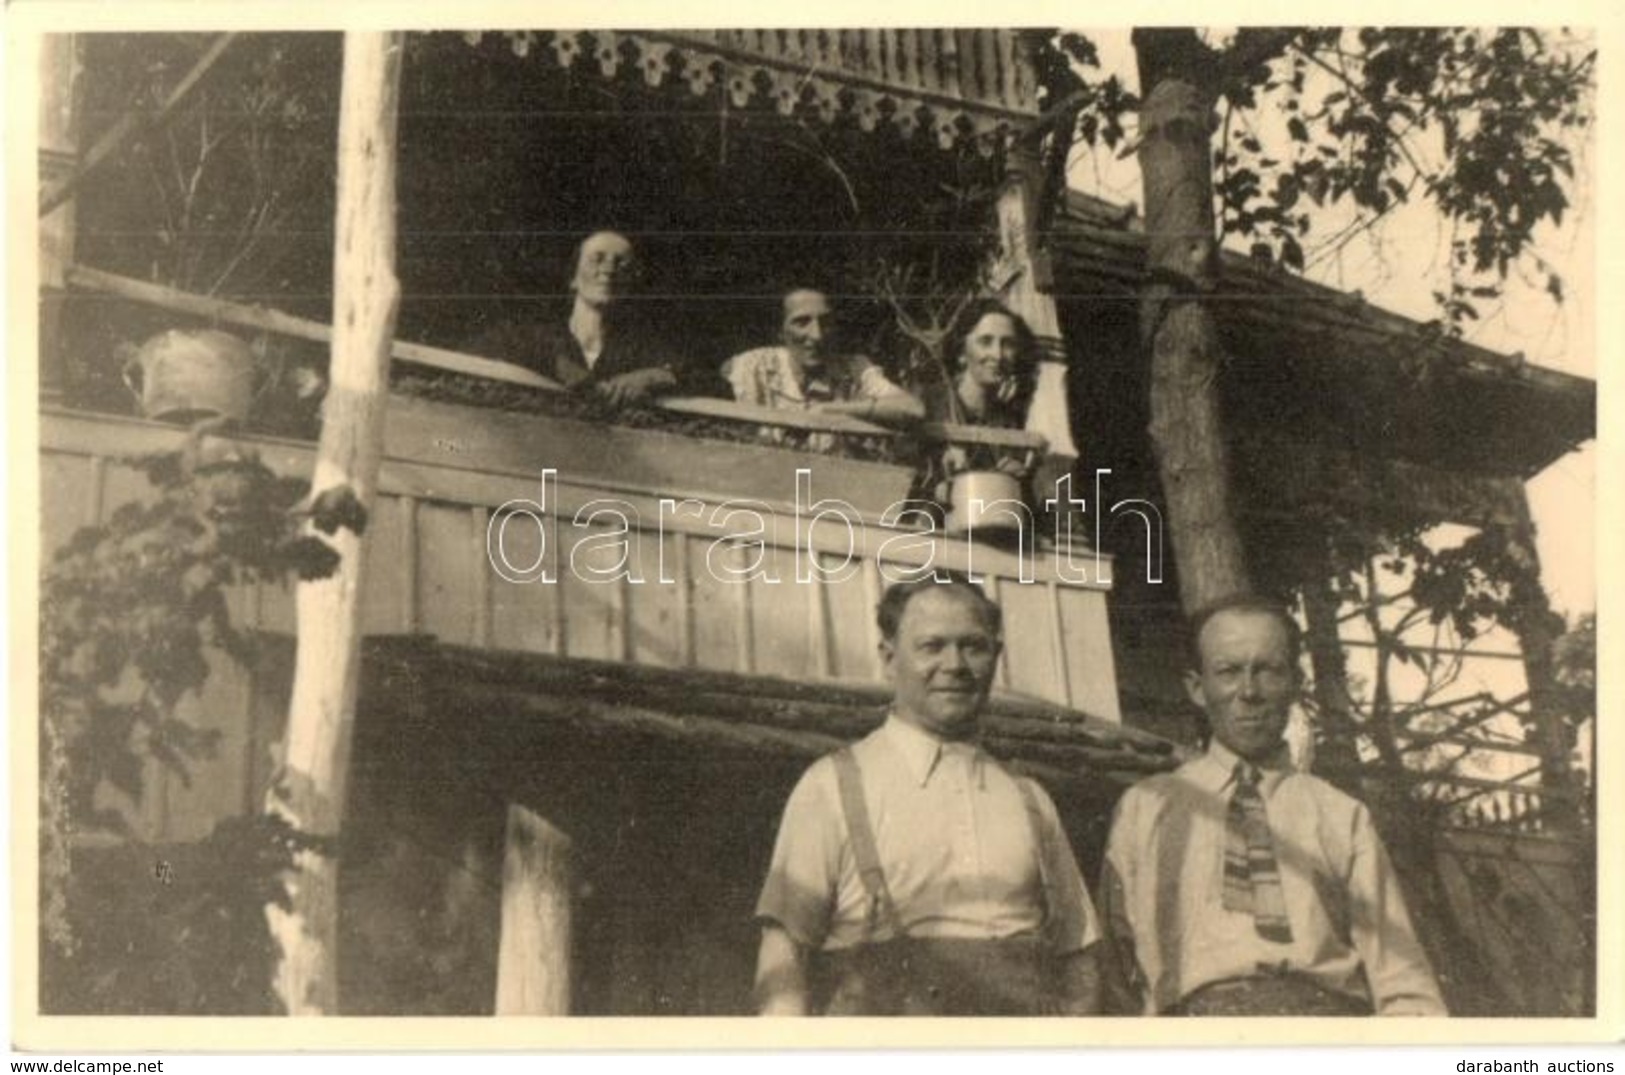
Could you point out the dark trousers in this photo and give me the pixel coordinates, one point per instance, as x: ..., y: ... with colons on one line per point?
x: 1269, y: 994
x: 938, y: 976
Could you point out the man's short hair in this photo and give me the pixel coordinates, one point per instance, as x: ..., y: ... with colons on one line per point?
x: 897, y: 596
x: 779, y: 307
x: 804, y: 289
x: 1248, y: 603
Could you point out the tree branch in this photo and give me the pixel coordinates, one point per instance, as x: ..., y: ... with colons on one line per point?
x: 1375, y: 105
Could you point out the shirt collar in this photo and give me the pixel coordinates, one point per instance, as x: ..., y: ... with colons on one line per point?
x: 1216, y: 770
x: 921, y: 751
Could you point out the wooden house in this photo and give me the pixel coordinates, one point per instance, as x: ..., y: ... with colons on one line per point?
x: 655, y: 696
x: 652, y: 702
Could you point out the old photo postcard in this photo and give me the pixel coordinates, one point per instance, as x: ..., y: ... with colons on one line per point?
x: 1054, y: 533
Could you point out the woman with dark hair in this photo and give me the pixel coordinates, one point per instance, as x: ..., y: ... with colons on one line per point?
x: 992, y: 359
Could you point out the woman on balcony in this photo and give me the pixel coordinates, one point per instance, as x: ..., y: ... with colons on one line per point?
x: 599, y: 348
x: 806, y: 371
x: 990, y: 359
x: 993, y: 355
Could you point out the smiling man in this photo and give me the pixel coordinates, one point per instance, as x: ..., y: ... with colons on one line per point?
x: 1237, y: 886
x: 914, y: 874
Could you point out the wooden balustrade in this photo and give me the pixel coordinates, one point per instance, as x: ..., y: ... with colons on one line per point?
x: 664, y: 551
x: 223, y: 311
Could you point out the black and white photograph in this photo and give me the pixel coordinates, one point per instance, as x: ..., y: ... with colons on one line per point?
x: 1088, y: 525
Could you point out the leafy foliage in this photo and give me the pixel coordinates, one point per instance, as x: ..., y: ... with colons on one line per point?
x: 1574, y: 657
x: 1421, y: 704
x: 129, y: 612
x: 1065, y: 71
x: 175, y: 930
x: 1480, y: 123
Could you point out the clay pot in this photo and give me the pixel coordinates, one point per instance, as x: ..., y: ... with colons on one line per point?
x: 185, y: 376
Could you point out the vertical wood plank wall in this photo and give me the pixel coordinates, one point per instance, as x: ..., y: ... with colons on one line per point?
x: 429, y: 573
x: 985, y: 65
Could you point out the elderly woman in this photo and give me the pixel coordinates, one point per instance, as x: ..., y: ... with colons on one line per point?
x: 993, y: 356
x: 598, y: 348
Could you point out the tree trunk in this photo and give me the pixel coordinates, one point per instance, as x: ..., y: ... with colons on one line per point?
x: 311, y: 788
x: 1178, y: 332
x: 1339, y: 754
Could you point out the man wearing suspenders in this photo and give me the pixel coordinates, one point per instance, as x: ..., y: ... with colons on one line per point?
x: 913, y: 874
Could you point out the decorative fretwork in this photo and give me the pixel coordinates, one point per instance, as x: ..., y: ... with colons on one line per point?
x: 962, y: 85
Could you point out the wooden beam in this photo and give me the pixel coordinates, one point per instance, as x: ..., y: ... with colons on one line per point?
x: 59, y: 122
x: 1056, y: 767
x: 268, y: 320
x: 593, y: 705
x: 769, y: 416
x: 648, y: 720
x: 130, y: 124
x: 1016, y: 715
x: 533, y: 956
x: 310, y: 791
x: 1025, y: 284
x: 738, y: 723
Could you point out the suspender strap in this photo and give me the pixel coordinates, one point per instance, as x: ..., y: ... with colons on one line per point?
x: 1060, y: 898
x: 861, y: 835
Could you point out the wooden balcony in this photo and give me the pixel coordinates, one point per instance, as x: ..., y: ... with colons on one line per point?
x: 686, y: 586
x: 664, y: 551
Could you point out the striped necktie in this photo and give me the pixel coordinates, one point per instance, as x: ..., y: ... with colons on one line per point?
x: 1252, y: 879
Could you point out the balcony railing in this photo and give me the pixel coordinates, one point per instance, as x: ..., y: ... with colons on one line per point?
x: 421, y: 356
x: 663, y: 550
x: 648, y: 546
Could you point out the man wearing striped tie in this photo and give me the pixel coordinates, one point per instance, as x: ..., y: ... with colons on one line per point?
x: 1238, y: 886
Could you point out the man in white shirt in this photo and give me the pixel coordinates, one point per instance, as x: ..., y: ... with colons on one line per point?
x: 1238, y: 886
x: 913, y: 873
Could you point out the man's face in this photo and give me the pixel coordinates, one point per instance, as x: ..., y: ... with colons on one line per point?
x: 1247, y: 683
x: 605, y: 270
x: 990, y: 350
x: 941, y: 663
x: 807, y: 326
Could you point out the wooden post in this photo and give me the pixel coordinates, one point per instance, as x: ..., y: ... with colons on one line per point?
x: 533, y: 957
x: 1537, y: 627
x: 311, y: 788
x: 1021, y: 276
x: 58, y: 156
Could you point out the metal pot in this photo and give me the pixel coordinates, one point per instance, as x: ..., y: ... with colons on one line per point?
x: 973, y: 495
x: 185, y: 376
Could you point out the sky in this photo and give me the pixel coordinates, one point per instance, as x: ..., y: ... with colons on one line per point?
x: 1400, y: 265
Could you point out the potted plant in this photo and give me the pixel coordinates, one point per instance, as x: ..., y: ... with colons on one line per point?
x: 219, y: 200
